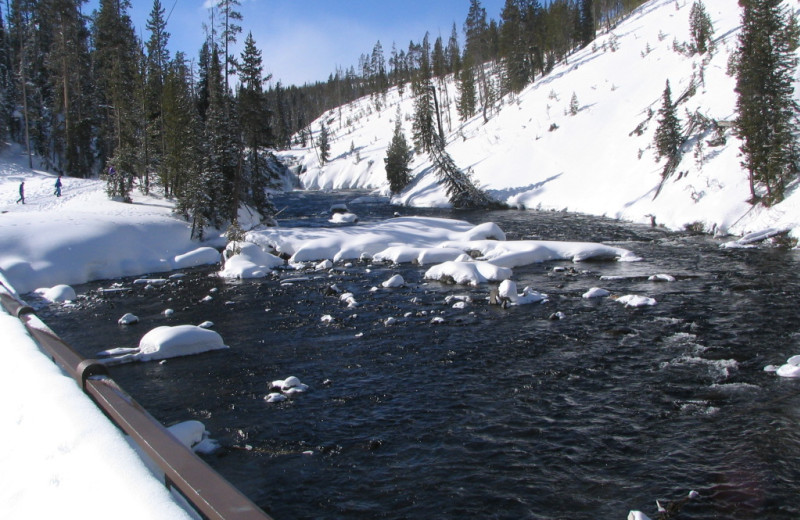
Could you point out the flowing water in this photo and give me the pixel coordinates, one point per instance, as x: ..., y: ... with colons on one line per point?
x: 493, y: 413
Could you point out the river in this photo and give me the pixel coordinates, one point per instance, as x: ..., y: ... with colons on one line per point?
x: 493, y: 413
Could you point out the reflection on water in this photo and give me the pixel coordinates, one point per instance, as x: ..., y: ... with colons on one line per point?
x: 494, y: 413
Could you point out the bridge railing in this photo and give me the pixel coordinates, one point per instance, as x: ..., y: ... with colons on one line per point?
x: 206, y: 491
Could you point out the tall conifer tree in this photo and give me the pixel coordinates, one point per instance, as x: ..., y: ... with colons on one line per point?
x: 255, y: 128
x: 323, y: 142
x: 765, y: 67
x: 512, y: 47
x: 156, y: 64
x: 117, y: 79
x: 700, y: 27
x: 5, y: 82
x: 424, y: 110
x: 398, y: 158
x: 230, y: 29
x: 668, y: 134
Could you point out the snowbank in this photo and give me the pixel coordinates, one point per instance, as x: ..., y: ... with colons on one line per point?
x: 60, y: 452
x: 85, y: 236
x: 429, y: 240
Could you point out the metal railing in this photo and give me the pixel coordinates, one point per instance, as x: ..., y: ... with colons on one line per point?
x: 207, y: 491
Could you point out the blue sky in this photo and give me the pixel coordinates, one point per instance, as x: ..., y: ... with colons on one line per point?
x: 304, y: 40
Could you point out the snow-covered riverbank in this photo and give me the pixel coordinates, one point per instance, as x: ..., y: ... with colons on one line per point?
x: 533, y: 152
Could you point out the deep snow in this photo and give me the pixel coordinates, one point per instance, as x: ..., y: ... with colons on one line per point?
x: 532, y: 153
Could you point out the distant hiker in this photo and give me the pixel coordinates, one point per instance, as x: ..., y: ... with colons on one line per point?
x: 58, y: 186
x: 21, y: 192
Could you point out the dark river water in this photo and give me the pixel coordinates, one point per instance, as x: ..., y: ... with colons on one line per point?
x: 493, y: 413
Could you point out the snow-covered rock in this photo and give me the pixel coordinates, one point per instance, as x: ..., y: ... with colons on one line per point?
x: 58, y: 293
x: 285, y: 388
x: 344, y: 218
x: 323, y: 265
x: 349, y: 299
x: 790, y: 369
x: 250, y: 262
x: 393, y: 282
x: 508, y: 291
x: 193, y: 435
x: 167, y: 342
x: 275, y: 397
x: 596, y: 292
x: 635, y: 300
x: 662, y: 277
x: 468, y: 273
x: 128, y: 319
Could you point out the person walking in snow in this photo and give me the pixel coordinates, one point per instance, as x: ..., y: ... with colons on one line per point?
x: 21, y: 192
x: 58, y: 186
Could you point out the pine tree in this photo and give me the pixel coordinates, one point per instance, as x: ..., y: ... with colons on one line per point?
x: 453, y: 52
x: 477, y: 48
x: 252, y: 104
x: 230, y: 28
x: 117, y: 78
x: 156, y: 64
x: 765, y: 68
x: 202, y: 90
x: 21, y: 36
x: 438, y: 59
x: 5, y: 82
x: 700, y: 27
x: 398, y: 158
x: 466, y: 90
x: 574, y: 106
x: 323, y: 144
x: 534, y: 37
x: 182, y: 162
x: 222, y: 166
x: 254, y: 126
x: 63, y: 87
x: 668, y: 138
x: 512, y: 47
x: 586, y: 22
x: 380, y: 81
x: 424, y: 110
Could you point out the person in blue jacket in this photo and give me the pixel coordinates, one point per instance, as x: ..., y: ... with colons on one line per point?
x: 58, y: 186
x: 21, y: 192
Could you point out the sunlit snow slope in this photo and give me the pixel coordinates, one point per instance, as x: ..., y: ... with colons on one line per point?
x: 532, y: 153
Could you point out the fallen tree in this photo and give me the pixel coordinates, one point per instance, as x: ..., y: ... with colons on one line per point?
x: 458, y: 185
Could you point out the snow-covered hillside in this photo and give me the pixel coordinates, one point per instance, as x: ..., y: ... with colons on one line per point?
x: 533, y: 153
